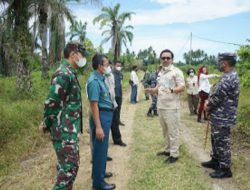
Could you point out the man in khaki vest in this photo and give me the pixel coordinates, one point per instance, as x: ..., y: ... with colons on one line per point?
x: 170, y: 84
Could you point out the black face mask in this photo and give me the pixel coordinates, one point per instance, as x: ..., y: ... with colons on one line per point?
x: 219, y: 67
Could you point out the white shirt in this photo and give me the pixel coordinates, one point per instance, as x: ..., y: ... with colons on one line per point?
x: 204, y: 84
x: 192, y: 85
x: 134, y: 78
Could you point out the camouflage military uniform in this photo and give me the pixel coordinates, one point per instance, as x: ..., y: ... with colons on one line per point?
x: 146, y: 79
x: 222, y: 103
x: 153, y: 84
x: 63, y: 119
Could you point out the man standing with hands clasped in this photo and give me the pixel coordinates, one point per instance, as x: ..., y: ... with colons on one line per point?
x: 221, y: 108
x: 63, y: 114
x: 171, y: 84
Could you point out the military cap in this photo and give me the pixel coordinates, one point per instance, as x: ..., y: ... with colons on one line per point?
x: 227, y: 56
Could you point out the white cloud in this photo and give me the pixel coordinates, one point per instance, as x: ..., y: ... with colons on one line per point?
x: 172, y: 11
x: 188, y: 11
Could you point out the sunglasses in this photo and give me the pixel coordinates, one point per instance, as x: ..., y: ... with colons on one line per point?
x: 167, y: 58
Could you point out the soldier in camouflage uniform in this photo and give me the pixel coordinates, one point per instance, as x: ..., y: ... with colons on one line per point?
x: 145, y: 81
x: 63, y: 115
x: 221, y: 107
x: 152, y: 111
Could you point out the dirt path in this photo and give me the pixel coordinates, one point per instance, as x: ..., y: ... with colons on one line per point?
x: 119, y: 165
x: 38, y: 170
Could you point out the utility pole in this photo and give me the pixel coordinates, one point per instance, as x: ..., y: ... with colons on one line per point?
x: 190, y: 52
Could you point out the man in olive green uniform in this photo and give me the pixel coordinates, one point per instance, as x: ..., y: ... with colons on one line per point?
x: 63, y: 114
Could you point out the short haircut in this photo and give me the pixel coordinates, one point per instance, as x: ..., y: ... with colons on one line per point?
x: 117, y: 62
x: 189, y: 70
x: 134, y: 67
x: 75, y: 47
x: 68, y: 49
x: 167, y: 51
x: 97, y: 60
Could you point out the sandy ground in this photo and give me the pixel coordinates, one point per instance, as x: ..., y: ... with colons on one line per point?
x: 38, y: 170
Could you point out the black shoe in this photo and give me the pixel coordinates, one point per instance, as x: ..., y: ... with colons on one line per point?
x: 106, y: 187
x: 120, y: 143
x: 122, y: 124
x: 149, y: 114
x: 171, y: 160
x: 213, y: 163
x: 155, y: 113
x: 108, y: 175
x: 221, y: 173
x: 109, y: 158
x: 163, y: 153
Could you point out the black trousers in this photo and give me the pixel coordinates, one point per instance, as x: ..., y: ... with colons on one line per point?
x: 115, y: 131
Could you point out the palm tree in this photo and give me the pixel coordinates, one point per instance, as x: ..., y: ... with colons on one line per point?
x: 18, y: 14
x: 54, y: 21
x: 116, y: 32
x: 78, y: 29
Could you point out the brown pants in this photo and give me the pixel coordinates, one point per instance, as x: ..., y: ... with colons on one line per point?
x: 170, y: 123
x: 193, y: 101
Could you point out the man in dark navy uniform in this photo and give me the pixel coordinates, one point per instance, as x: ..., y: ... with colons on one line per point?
x: 221, y: 107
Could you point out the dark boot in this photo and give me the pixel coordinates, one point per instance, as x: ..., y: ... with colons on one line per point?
x: 199, y: 118
x: 155, y: 113
x: 149, y: 114
x: 213, y: 163
x: 221, y: 173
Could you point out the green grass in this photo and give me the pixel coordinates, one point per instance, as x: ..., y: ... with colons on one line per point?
x: 149, y: 172
x: 19, y: 120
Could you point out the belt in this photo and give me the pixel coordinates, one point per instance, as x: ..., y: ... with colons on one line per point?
x: 106, y: 109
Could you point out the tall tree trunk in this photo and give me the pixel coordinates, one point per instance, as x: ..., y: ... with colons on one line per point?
x: 61, y: 36
x: 43, y: 20
x: 116, y: 55
x: 57, y: 38
x: 22, y: 47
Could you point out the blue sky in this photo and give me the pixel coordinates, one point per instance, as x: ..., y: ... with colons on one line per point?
x: 169, y: 23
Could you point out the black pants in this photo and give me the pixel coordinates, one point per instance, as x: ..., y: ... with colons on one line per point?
x: 116, y: 134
